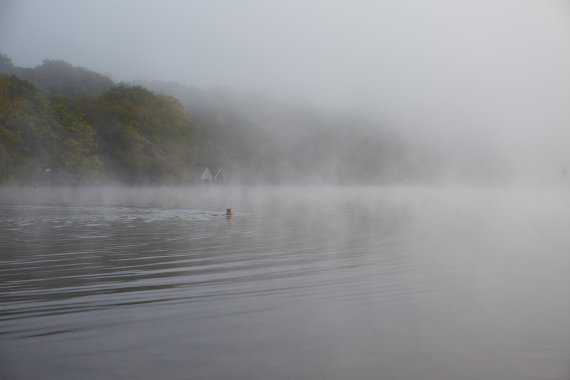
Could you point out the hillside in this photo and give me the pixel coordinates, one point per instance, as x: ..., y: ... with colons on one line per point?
x: 63, y: 124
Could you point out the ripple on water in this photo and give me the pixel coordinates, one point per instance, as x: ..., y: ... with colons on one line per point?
x: 405, y: 279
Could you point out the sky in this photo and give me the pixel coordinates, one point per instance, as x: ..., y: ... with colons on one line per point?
x: 443, y: 69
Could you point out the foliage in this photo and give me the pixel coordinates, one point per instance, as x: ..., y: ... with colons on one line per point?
x: 6, y: 65
x: 145, y: 138
x: 63, y: 128
x: 76, y: 153
x: 60, y: 79
x: 68, y: 125
x: 40, y: 142
x: 25, y: 126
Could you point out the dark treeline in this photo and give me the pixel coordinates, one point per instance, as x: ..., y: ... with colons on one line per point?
x: 61, y: 124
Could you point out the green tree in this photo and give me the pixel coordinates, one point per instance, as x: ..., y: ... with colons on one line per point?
x: 26, y: 125
x: 144, y: 137
x: 36, y: 136
x: 76, y: 151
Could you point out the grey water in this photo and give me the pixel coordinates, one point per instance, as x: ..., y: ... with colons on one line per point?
x: 299, y: 283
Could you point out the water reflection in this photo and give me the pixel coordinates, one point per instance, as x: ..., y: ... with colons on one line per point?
x: 327, y: 283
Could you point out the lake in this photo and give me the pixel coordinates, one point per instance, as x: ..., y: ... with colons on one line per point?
x: 299, y: 283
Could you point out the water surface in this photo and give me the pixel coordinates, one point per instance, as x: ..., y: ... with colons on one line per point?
x: 300, y: 283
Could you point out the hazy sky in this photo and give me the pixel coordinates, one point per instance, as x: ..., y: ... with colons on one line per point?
x: 453, y: 68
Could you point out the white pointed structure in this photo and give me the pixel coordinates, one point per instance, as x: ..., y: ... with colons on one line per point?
x: 219, y: 177
x: 207, y: 176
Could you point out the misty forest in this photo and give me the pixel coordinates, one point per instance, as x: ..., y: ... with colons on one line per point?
x: 285, y: 189
x: 67, y: 125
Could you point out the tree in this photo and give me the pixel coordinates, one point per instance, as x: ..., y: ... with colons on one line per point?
x: 36, y: 135
x: 76, y: 154
x: 145, y: 138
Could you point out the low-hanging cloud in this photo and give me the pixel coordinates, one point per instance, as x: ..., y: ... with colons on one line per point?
x: 478, y: 74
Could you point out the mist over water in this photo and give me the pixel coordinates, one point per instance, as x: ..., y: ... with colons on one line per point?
x: 418, y: 223
x: 321, y: 282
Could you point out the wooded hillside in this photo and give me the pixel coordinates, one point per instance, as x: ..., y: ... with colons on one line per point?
x: 61, y: 124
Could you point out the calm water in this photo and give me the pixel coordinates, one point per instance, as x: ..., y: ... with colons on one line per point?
x: 300, y: 283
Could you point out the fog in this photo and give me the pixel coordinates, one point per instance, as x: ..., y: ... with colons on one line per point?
x: 484, y: 83
x: 396, y: 203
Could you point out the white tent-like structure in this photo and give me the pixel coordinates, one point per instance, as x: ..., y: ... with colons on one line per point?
x: 207, y: 176
x: 219, y: 177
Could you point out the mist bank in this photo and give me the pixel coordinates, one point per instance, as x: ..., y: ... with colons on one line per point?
x: 67, y: 125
